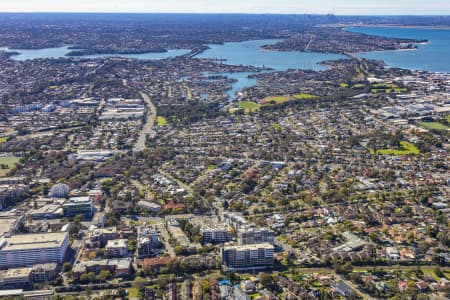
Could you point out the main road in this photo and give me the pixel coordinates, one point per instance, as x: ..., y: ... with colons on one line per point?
x: 147, y: 129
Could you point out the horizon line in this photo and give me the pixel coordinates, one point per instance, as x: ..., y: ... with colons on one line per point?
x: 224, y: 13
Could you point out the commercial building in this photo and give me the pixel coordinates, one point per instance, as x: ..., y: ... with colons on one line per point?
x: 252, y: 235
x: 78, y: 206
x: 31, y: 249
x: 245, y: 257
x: 49, y: 211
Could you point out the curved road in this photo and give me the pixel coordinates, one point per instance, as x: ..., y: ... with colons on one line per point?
x: 147, y: 129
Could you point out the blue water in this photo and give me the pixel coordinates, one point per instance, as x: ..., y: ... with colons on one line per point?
x: 61, y: 52
x: 38, y: 53
x: 250, y: 53
x: 144, y: 56
x: 434, y: 56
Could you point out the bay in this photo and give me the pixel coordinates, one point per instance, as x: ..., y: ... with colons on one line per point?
x: 433, y: 56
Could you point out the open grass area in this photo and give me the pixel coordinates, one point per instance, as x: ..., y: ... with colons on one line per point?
x: 305, y: 96
x: 344, y: 85
x: 434, y: 126
x: 249, y: 106
x: 405, y: 149
x: 276, y: 99
x: 447, y: 118
x: 358, y: 86
x: 3, y: 139
x: 161, y: 121
x: 10, y: 162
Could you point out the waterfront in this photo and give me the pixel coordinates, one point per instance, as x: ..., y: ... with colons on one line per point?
x: 250, y: 53
x: 423, y: 58
x: 61, y: 52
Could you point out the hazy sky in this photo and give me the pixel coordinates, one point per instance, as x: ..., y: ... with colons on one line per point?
x: 364, y: 7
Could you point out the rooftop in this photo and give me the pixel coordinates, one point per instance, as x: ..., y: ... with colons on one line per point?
x: 249, y: 247
x: 12, y: 273
x: 33, y: 241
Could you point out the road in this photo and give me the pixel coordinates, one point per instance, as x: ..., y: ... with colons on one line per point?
x: 147, y: 129
x: 309, y: 43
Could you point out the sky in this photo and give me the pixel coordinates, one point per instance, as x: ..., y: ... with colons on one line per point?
x: 339, y: 7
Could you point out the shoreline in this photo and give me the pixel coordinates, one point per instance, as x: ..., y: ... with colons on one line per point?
x: 398, y: 26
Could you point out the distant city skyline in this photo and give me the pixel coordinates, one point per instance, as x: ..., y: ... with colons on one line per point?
x: 340, y: 7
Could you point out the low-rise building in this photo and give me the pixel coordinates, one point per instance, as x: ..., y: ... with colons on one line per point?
x: 44, y: 272
x: 117, y: 248
x: 99, y: 236
x: 15, y: 278
x: 119, y: 267
x: 79, y: 206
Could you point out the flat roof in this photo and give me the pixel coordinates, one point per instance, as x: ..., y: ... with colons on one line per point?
x: 6, y: 225
x: 5, y: 293
x: 14, y: 273
x: 33, y: 241
x: 250, y: 247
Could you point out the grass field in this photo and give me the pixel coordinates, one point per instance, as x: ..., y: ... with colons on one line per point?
x: 434, y: 126
x: 3, y: 139
x: 344, y: 85
x: 10, y: 161
x: 161, y: 121
x: 305, y: 96
x: 358, y: 86
x: 276, y: 99
x: 405, y: 149
x: 249, y: 106
x: 447, y: 118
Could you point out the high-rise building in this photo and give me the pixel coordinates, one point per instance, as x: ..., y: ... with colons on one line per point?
x: 244, y: 257
x: 30, y: 249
